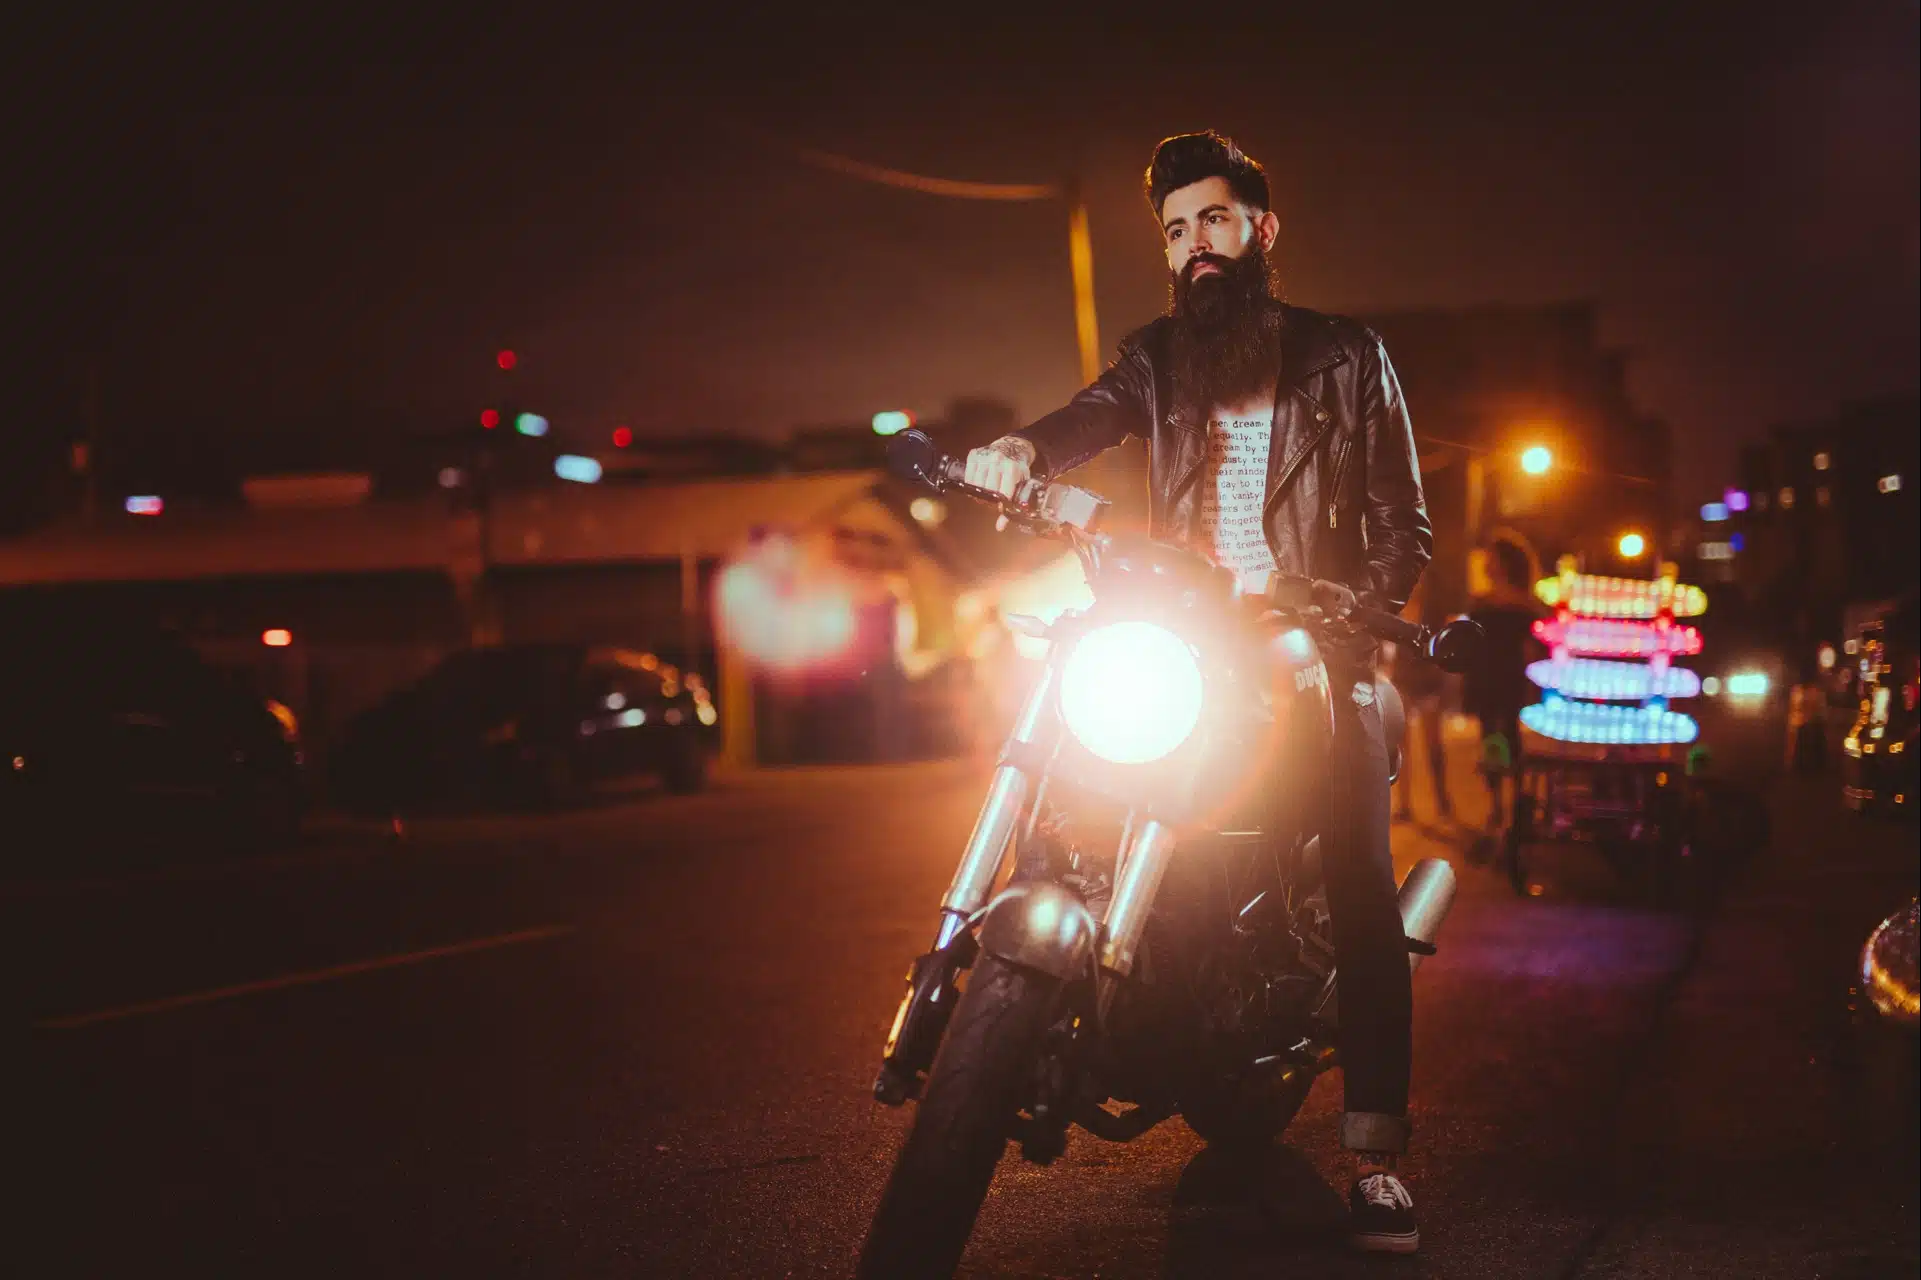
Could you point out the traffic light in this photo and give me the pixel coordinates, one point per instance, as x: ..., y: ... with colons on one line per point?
x: 490, y: 418
x: 623, y: 436
x: 506, y: 359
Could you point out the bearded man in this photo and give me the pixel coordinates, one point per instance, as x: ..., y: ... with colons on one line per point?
x: 1278, y: 440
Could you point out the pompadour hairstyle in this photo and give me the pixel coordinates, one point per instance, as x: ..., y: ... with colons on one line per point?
x: 1187, y: 158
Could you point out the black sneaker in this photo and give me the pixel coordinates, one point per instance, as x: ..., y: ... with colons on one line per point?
x: 1382, y: 1215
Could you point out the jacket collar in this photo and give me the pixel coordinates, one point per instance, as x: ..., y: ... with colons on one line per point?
x: 1309, y: 344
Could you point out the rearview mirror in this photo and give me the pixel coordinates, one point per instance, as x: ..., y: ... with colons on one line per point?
x: 911, y: 454
x: 1456, y: 645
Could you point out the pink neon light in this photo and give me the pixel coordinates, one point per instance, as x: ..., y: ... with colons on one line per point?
x: 1615, y: 638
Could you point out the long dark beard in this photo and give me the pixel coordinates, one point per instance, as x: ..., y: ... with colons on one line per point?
x: 1226, y: 336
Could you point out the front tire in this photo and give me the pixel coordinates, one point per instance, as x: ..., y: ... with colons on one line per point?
x: 964, y: 1120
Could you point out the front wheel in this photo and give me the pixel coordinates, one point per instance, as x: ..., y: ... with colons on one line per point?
x: 964, y: 1120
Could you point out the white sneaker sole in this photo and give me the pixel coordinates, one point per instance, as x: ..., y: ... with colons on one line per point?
x: 1387, y: 1242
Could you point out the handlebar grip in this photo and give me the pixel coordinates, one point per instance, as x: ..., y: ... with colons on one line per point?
x: 1391, y: 626
x: 951, y: 473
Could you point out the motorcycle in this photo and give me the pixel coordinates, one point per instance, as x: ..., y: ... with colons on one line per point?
x: 1112, y: 984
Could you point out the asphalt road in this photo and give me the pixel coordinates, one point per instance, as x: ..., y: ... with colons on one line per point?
x: 638, y: 1040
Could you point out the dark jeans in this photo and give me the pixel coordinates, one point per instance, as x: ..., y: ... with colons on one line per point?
x: 1376, y: 997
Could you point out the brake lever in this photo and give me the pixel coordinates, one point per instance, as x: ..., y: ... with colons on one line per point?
x: 1024, y: 521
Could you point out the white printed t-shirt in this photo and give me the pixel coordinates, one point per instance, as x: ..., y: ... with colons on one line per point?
x: 1233, y: 487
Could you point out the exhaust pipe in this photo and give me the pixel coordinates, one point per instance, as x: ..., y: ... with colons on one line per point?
x: 1426, y: 896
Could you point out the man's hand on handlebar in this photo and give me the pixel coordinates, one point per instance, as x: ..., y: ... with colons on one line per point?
x: 1003, y: 466
x: 1334, y: 599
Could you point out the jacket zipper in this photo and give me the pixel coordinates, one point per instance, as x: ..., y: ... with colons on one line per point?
x: 1334, y: 489
x: 1292, y: 469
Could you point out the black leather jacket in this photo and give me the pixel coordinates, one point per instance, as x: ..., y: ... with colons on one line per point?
x: 1344, y: 497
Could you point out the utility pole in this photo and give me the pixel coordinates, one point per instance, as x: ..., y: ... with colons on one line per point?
x: 1080, y: 246
x: 1080, y: 256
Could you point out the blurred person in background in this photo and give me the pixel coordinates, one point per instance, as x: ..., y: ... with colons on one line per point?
x: 1279, y: 440
x: 1497, y: 686
x: 1423, y: 688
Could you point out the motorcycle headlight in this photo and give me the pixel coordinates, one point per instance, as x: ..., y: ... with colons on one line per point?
x: 1131, y: 692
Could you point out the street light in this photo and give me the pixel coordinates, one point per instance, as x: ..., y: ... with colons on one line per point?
x: 1537, y: 459
x: 1632, y: 545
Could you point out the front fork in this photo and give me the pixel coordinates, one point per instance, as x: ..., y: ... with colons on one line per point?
x: 929, y: 1001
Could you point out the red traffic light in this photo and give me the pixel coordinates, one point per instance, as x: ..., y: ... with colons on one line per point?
x: 490, y: 418
x: 623, y: 436
x: 506, y: 359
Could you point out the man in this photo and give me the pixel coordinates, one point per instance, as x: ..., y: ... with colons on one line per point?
x: 1497, y: 685
x: 1278, y: 439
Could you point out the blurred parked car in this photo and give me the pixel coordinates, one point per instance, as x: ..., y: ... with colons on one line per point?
x: 532, y: 724
x: 115, y: 731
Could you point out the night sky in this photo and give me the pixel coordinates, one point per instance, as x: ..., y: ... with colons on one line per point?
x: 266, y: 231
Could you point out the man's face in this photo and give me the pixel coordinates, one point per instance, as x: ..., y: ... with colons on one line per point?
x: 1206, y: 227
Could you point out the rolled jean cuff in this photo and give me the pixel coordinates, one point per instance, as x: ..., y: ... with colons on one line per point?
x: 1374, y: 1131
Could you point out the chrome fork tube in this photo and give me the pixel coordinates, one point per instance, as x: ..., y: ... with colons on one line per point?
x: 1034, y: 731
x: 1143, y: 864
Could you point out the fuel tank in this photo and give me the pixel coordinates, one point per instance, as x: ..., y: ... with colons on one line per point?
x: 1297, y: 686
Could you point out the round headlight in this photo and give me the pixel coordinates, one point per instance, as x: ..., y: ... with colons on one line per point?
x: 1131, y: 692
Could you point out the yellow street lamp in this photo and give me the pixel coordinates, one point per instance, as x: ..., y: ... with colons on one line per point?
x: 1632, y: 545
x: 1536, y: 460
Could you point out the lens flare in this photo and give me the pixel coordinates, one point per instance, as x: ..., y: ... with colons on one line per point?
x: 1131, y: 692
x: 782, y: 623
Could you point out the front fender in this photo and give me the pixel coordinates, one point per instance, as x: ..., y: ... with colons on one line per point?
x: 1039, y: 925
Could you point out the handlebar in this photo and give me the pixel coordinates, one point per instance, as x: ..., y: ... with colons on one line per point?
x: 1452, y: 646
x: 1058, y: 508
x: 1392, y: 626
x: 950, y: 473
x: 1047, y: 505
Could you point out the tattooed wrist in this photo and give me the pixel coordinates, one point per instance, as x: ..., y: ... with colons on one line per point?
x: 1014, y: 447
